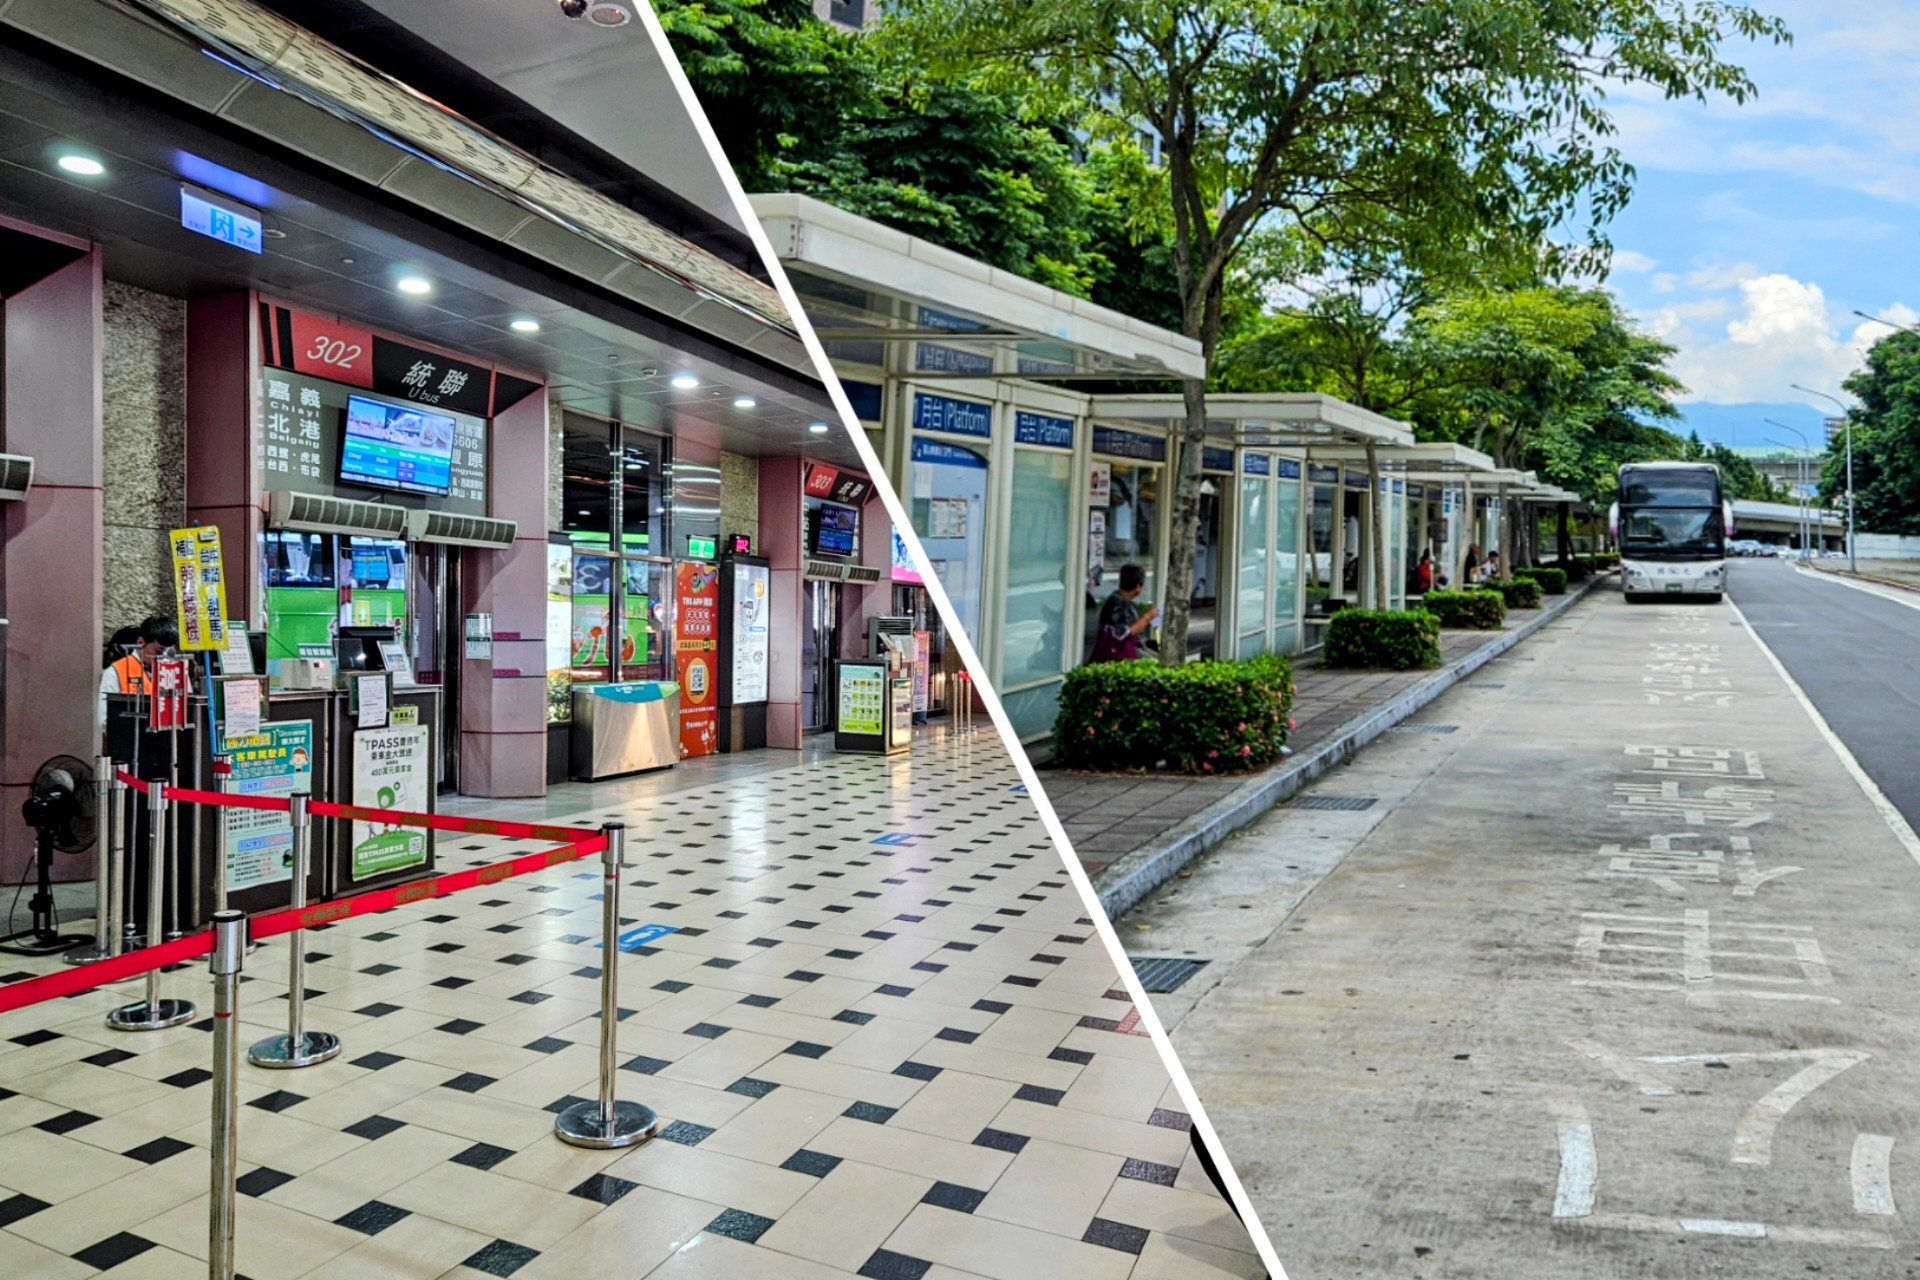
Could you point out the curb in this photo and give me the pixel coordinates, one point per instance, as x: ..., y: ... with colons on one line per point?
x: 1864, y: 577
x: 1127, y: 882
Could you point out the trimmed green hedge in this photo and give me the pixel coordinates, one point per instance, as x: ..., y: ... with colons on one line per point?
x: 1470, y: 610
x: 1204, y: 717
x: 1519, y: 593
x: 1578, y: 569
x: 1383, y: 638
x: 1552, y: 582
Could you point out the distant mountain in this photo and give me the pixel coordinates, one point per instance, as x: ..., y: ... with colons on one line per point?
x: 1744, y: 425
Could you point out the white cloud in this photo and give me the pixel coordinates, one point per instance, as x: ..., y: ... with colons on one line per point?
x: 1665, y: 282
x: 1630, y: 261
x: 1777, y: 331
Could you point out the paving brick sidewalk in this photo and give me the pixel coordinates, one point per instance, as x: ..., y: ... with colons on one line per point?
x: 1107, y: 816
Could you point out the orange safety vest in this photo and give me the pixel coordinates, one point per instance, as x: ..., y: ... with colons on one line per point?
x: 133, y: 676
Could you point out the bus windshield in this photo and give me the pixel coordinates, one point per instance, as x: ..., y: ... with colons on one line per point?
x: 1655, y: 532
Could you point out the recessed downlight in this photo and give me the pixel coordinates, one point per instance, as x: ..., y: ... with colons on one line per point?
x: 683, y: 382
x: 418, y: 286
x: 525, y: 326
x: 82, y: 166
x: 818, y: 428
x: 744, y: 402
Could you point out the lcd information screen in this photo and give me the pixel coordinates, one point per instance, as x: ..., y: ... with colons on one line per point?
x: 836, y: 529
x: 391, y: 446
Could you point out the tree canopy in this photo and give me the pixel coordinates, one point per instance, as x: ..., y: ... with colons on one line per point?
x: 1886, y: 441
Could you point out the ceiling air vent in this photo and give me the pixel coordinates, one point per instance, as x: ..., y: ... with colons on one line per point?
x: 16, y: 477
x: 461, y: 531
x: 826, y: 571
x: 316, y: 514
x: 862, y: 573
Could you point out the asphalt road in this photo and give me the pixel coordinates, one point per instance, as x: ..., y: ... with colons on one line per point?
x: 1856, y: 654
x: 1603, y: 969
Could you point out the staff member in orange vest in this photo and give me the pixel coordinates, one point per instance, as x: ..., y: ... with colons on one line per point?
x: 128, y: 674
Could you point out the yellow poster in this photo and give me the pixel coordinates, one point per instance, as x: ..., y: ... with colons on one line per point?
x: 200, y: 588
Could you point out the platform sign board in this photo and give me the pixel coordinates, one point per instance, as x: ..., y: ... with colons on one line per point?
x: 275, y: 762
x: 392, y: 769
x: 200, y: 588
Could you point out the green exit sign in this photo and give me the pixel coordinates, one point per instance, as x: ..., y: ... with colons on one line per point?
x: 702, y: 548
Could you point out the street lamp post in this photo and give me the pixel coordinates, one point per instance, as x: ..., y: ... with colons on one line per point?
x: 1846, y: 416
x: 1806, y: 448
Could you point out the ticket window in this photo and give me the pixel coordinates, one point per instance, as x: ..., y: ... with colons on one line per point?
x: 373, y: 579
x: 1130, y: 535
x: 301, y: 573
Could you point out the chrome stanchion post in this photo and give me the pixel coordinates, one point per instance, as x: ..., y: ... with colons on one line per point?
x: 126, y: 800
x: 299, y: 1047
x: 608, y: 1123
x: 153, y: 1013
x: 117, y: 858
x: 103, y: 890
x: 229, y: 950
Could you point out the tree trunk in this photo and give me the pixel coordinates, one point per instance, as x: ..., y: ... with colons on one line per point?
x: 1185, y: 535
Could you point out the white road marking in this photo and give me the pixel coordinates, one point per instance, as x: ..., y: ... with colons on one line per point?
x: 1872, y: 1173
x: 1753, y: 1139
x: 1631, y: 1070
x: 1892, y: 816
x: 1897, y: 596
x: 1579, y: 1166
x: 1645, y: 1222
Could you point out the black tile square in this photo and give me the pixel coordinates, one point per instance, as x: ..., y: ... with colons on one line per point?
x: 28, y: 1039
x: 956, y: 1035
x: 114, y: 1250
x: 278, y: 1100
x: 916, y: 1071
x: 515, y: 958
x: 67, y: 1122
x: 446, y: 948
x: 453, y: 984
x: 1001, y: 1140
x: 374, y: 1127
x: 531, y: 997
x: 1079, y: 1057
x: 376, y: 970
x: 644, y: 1065
x: 549, y: 1044
x: 806, y: 1049
x: 686, y: 1133
x: 468, y: 1082
x: 371, y: 1218
x: 108, y: 1057
x: 482, y: 1155
x: 928, y: 966
x: 891, y: 989
x: 888, y: 1265
x: 950, y: 1195
x: 707, y: 1030
x: 802, y: 975
x: 1160, y: 1175
x: 815, y: 1163
x: 671, y: 985
x: 740, y: 1225
x: 502, y: 1258
x: 376, y: 1061
x: 1164, y: 1119
x: 841, y: 953
x: 854, y: 1016
x: 603, y: 1188
x: 157, y: 1150
x: 760, y: 1002
x: 14, y: 1208
x: 1116, y: 1235
x: 261, y: 1181
x: 561, y: 1104
x: 991, y: 1006
x: 748, y: 1087
x: 378, y: 1009
x: 460, y: 1026
x: 1039, y: 1093
x: 871, y: 1112
x: 587, y: 971
x: 720, y: 962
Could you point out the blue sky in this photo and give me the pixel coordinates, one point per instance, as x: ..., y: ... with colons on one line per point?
x: 1756, y: 230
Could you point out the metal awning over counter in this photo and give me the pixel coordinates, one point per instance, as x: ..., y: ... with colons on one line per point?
x: 1437, y: 462
x: 869, y: 289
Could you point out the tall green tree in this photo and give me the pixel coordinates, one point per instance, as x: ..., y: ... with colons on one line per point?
x: 1449, y: 114
x: 1886, y: 441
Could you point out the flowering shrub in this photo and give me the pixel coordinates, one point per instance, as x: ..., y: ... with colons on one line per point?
x: 1468, y: 610
x: 1204, y: 717
x: 1519, y: 593
x: 1552, y: 582
x: 1382, y: 638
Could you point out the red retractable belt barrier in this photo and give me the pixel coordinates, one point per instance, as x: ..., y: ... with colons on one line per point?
x: 576, y: 844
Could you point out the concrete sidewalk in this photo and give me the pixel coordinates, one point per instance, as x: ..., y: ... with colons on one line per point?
x: 1133, y: 832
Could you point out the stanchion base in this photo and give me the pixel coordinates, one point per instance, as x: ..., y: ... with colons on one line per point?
x: 141, y: 1017
x: 86, y: 955
x: 583, y: 1125
x: 279, y: 1053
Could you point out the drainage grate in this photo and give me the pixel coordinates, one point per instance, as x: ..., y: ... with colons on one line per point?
x: 1428, y: 728
x: 1486, y: 684
x: 1162, y: 974
x: 1350, y: 803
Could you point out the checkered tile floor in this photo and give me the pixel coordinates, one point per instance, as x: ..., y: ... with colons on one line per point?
x: 883, y: 1038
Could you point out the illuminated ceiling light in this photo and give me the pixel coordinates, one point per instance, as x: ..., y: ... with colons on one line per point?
x: 683, y: 382
x: 82, y: 166
x: 525, y: 326
x: 818, y: 428
x: 743, y: 402
x: 415, y: 285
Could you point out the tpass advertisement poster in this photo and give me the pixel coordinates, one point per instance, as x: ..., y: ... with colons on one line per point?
x: 696, y: 648
x: 392, y: 769
x: 275, y: 762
